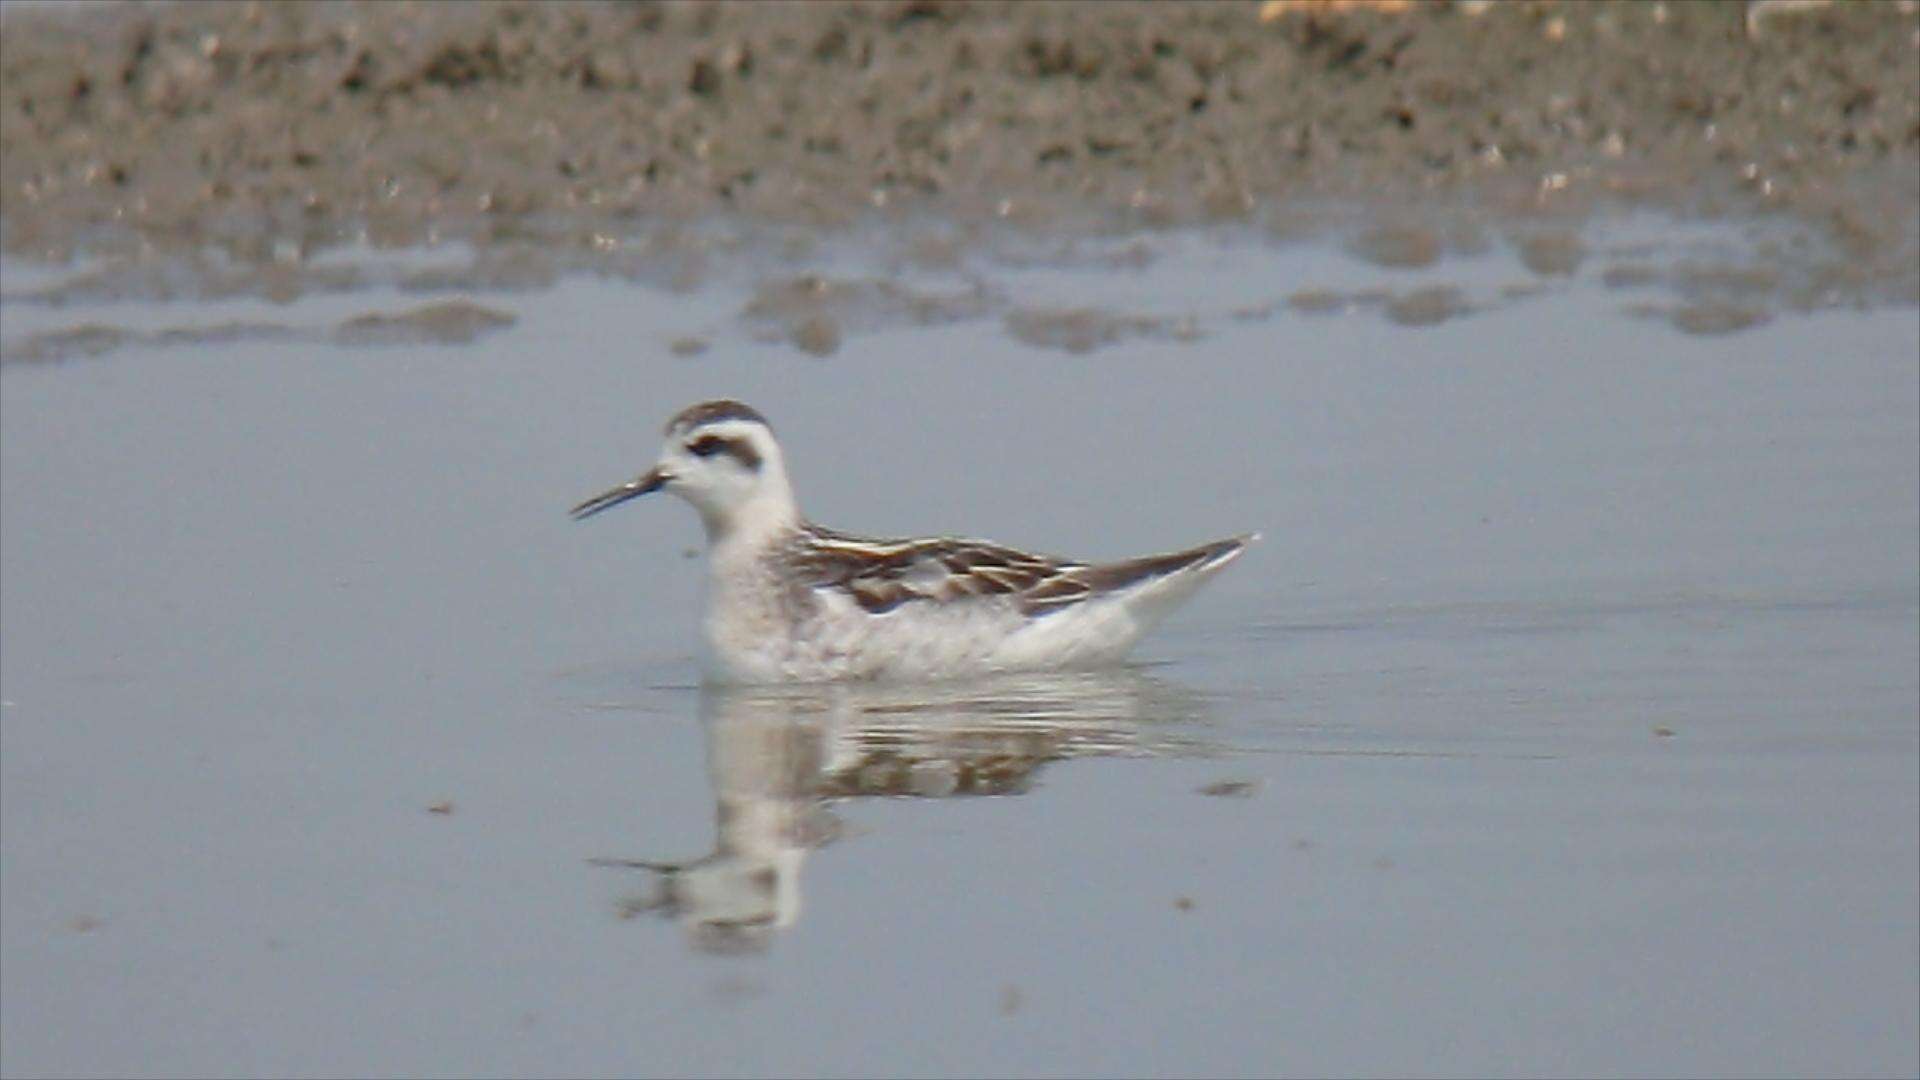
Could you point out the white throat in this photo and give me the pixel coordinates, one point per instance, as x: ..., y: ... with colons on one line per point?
x: 764, y: 517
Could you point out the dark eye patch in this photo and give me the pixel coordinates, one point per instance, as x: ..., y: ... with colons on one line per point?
x: 739, y: 449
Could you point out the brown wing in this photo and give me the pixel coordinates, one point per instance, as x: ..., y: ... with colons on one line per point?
x: 880, y: 575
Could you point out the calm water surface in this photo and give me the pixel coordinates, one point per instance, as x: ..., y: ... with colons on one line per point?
x: 1565, y: 721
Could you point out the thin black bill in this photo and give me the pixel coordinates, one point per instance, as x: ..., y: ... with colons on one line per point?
x: 654, y: 480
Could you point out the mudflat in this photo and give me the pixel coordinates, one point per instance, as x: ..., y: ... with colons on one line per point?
x: 179, y: 124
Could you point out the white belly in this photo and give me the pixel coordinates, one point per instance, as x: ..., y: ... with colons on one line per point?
x: 762, y: 641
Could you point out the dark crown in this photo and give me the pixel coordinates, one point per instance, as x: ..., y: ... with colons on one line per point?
x: 708, y: 412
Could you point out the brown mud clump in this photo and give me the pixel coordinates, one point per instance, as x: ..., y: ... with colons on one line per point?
x: 1425, y: 307
x: 453, y: 322
x: 241, y: 124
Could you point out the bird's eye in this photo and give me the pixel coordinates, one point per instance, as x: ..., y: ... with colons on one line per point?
x: 707, y: 445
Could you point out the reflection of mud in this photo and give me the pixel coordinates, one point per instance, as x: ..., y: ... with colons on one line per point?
x: 1309, y: 302
x: 1700, y: 279
x: 1399, y: 246
x: 194, y: 276
x: 95, y: 339
x: 1706, y: 317
x: 1425, y: 307
x: 1553, y: 252
x: 450, y: 323
x: 91, y: 339
x: 778, y: 756
x: 453, y: 322
x: 813, y: 312
x: 1081, y: 330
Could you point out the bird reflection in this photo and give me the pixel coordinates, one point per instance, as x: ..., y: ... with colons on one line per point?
x: 779, y: 756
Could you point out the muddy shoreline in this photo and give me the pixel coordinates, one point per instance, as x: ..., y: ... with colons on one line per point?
x: 250, y: 125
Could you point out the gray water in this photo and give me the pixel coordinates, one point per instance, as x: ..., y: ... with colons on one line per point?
x: 1566, y: 720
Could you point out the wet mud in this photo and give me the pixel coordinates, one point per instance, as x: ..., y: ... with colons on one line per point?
x: 187, y: 122
x: 216, y: 151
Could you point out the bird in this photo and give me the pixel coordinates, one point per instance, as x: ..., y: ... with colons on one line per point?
x: 789, y: 601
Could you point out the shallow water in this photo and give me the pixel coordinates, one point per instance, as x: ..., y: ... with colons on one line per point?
x: 1565, y: 721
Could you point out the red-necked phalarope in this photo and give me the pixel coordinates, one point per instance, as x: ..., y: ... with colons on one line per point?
x: 789, y: 601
